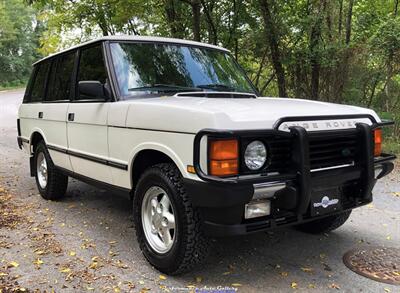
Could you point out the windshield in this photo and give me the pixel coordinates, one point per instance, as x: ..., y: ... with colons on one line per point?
x: 153, y: 68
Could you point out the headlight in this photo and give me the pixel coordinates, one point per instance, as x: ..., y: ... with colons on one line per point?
x: 255, y: 155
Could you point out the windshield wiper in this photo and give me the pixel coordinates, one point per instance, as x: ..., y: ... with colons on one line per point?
x: 165, y: 88
x: 217, y: 86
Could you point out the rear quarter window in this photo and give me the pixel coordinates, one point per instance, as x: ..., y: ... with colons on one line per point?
x: 28, y: 89
x: 39, y: 83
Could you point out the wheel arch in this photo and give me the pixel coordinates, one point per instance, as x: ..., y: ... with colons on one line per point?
x: 36, y: 136
x: 148, y: 155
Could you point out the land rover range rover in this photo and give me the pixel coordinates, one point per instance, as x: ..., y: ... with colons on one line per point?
x: 178, y: 126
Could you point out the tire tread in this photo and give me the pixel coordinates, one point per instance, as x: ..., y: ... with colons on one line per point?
x: 325, y: 225
x: 196, y: 244
x: 57, y: 182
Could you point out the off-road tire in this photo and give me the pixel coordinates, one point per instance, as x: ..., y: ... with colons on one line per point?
x: 57, y: 182
x: 191, y: 246
x: 326, y: 224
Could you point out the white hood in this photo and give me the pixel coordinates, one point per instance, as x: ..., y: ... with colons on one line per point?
x: 191, y: 114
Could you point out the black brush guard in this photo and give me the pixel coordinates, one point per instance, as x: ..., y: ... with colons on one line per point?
x: 301, y: 173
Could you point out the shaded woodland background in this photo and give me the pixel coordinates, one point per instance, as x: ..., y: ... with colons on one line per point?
x: 342, y: 51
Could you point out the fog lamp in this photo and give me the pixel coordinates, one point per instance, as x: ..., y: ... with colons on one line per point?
x: 259, y: 208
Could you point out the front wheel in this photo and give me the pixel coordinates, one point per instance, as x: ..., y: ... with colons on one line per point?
x: 326, y: 224
x: 168, y: 227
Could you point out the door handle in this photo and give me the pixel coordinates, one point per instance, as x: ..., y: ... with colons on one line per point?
x: 40, y: 115
x: 71, y: 116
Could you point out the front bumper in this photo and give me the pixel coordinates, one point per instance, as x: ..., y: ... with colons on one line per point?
x: 222, y: 205
x: 222, y: 201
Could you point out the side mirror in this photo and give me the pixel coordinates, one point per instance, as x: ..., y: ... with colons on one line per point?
x: 92, y: 89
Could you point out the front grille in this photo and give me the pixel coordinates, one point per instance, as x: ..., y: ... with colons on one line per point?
x: 280, y: 150
x: 327, y: 149
x: 333, y: 149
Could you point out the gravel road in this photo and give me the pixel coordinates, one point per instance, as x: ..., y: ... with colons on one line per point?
x: 86, y: 241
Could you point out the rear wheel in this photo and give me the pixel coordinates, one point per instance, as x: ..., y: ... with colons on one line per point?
x: 326, y: 224
x: 52, y: 184
x: 168, y: 227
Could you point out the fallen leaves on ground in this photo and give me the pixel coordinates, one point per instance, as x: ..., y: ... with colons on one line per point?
x: 334, y: 286
x: 46, y: 243
x: 65, y: 270
x: 10, y: 214
x: 13, y: 264
x: 38, y: 262
x: 5, y: 244
x: 307, y: 269
x: 284, y: 274
x: 120, y: 264
x: 9, y: 283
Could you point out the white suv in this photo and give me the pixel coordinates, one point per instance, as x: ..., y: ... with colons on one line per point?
x: 178, y: 126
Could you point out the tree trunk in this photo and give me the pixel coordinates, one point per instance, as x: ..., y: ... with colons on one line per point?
x: 371, y: 96
x: 132, y: 29
x: 390, y: 70
x: 315, y: 37
x: 260, y: 68
x: 348, y: 21
x: 213, y: 35
x: 267, y: 83
x: 196, y: 14
x: 340, y: 22
x: 272, y: 37
x: 173, y: 18
x: 343, y: 72
x: 196, y: 20
x: 233, y: 23
x: 103, y: 29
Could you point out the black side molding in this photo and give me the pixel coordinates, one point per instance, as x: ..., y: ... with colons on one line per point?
x: 89, y: 158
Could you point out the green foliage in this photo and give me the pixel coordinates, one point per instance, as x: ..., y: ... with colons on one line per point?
x: 19, y: 32
x: 344, y: 51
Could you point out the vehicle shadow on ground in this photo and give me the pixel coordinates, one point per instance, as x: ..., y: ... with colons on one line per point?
x: 278, y: 256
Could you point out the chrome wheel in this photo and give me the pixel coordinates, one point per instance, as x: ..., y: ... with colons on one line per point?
x: 158, y: 219
x: 41, y: 170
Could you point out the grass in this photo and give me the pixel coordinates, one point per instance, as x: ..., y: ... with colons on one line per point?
x: 392, y: 146
x: 12, y: 85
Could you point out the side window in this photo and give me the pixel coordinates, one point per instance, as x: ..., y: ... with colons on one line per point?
x: 91, y: 67
x: 60, y: 78
x: 28, y: 90
x: 39, y: 84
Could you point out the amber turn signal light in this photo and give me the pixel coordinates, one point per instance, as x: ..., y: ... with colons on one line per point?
x: 378, y: 142
x: 223, y: 156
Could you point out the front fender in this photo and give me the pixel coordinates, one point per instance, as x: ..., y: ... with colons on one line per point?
x: 161, y: 148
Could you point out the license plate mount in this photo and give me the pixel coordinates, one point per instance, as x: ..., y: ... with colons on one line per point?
x: 325, y: 201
